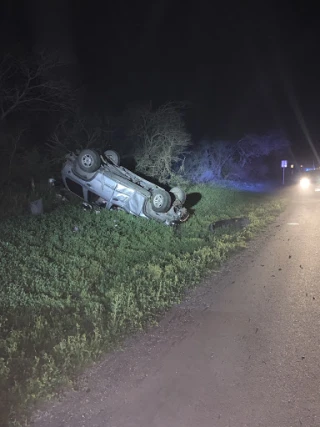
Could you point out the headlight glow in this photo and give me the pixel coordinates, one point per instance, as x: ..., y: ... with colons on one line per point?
x: 304, y: 183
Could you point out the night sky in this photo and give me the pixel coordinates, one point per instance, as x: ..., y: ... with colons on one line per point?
x: 244, y: 69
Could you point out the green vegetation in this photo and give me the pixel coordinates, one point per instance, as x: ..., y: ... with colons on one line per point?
x: 74, y: 282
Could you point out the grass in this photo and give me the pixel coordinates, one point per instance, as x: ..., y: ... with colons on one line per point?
x: 75, y: 282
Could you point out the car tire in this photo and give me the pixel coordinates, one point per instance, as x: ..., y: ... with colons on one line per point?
x: 113, y: 156
x: 161, y: 201
x: 179, y: 194
x: 89, y: 160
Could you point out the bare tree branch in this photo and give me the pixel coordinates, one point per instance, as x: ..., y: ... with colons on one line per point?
x: 161, y: 139
x: 254, y: 146
x: 76, y: 132
x: 32, y: 84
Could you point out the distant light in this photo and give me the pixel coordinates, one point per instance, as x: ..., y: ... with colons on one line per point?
x: 301, y: 166
x: 305, y: 183
x: 292, y: 166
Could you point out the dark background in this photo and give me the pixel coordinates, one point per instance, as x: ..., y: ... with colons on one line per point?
x: 244, y: 69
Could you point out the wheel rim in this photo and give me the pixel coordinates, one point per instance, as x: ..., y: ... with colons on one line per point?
x: 87, y: 160
x: 158, y: 201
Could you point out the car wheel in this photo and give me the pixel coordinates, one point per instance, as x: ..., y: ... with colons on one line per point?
x: 161, y: 201
x: 179, y: 194
x: 89, y: 160
x: 113, y: 156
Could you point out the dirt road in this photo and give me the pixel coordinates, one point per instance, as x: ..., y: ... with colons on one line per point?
x: 242, y: 350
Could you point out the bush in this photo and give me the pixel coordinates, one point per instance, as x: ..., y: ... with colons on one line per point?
x: 160, y: 139
x: 242, y: 160
x: 210, y: 161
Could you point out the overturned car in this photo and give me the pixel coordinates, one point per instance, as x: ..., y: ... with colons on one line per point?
x: 100, y: 180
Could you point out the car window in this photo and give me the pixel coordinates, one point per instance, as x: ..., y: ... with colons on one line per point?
x: 92, y: 197
x: 74, y: 187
